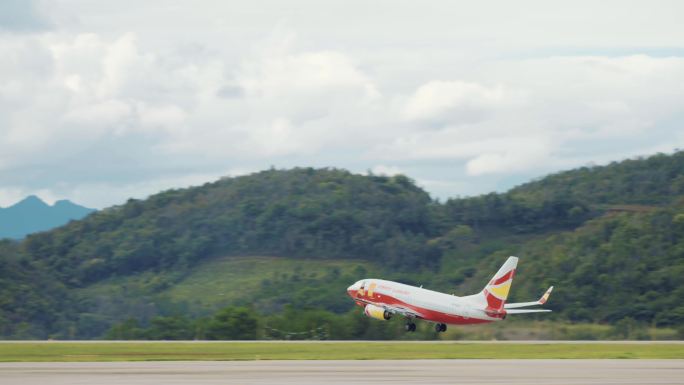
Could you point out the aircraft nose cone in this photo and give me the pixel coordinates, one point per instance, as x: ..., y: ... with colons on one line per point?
x: 350, y: 290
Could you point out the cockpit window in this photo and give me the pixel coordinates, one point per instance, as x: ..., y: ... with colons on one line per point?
x: 361, y: 292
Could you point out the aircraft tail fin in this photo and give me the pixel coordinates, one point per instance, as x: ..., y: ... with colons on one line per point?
x: 493, y: 296
x: 496, y: 291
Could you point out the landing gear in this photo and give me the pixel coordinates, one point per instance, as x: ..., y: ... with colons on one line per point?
x: 410, y: 327
x: 440, y: 328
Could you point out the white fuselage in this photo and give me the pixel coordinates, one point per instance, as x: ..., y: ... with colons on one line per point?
x: 425, y: 304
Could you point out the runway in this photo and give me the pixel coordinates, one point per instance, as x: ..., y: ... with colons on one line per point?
x: 462, y: 372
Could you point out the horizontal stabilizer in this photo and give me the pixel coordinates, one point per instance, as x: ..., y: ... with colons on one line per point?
x: 523, y: 311
x: 541, y: 301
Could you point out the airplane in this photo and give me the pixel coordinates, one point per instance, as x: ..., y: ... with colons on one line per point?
x: 382, y: 300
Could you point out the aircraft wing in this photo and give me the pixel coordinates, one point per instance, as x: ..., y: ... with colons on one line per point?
x: 541, y: 301
x: 408, y: 313
x: 402, y: 311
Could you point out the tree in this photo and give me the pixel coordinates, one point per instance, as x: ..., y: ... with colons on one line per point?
x: 127, y: 330
x: 233, y: 323
x: 171, y: 328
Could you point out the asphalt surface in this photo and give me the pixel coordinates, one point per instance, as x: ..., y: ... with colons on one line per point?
x: 462, y: 372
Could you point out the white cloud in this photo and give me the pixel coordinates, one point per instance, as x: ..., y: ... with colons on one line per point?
x: 293, y: 103
x: 277, y: 71
x: 454, y: 101
x: 282, y: 102
x: 382, y: 169
x: 543, y: 113
x: 167, y: 116
x: 518, y: 155
x: 148, y: 96
x: 107, y: 113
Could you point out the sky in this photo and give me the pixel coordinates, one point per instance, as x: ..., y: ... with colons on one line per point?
x: 104, y: 101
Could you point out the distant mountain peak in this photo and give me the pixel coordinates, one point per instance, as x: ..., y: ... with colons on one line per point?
x: 65, y: 202
x: 32, y: 214
x: 30, y: 201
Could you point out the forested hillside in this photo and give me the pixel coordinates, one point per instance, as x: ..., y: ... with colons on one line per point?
x: 324, y: 213
x: 658, y: 179
x: 32, y: 302
x: 610, y: 238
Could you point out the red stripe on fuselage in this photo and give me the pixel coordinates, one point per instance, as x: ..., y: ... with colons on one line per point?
x: 427, y: 314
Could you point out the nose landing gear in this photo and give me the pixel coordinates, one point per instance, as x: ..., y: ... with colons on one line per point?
x: 440, y: 328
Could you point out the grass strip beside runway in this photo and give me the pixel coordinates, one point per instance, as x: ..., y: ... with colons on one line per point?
x: 219, y: 351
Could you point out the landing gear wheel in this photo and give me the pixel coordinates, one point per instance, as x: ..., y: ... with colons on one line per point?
x: 410, y: 327
x: 440, y: 328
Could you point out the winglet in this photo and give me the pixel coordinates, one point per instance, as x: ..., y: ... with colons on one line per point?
x: 546, y: 295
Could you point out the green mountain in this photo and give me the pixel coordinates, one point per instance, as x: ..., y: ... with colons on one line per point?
x: 297, y: 213
x: 610, y: 238
x: 32, y: 215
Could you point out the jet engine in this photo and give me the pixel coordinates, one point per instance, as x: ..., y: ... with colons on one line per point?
x: 377, y: 312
